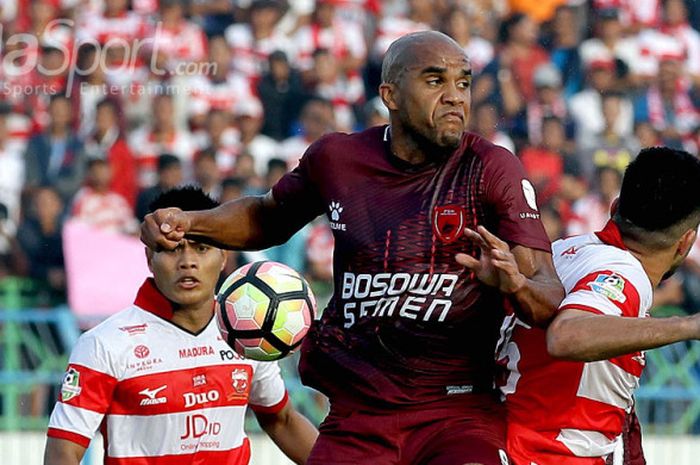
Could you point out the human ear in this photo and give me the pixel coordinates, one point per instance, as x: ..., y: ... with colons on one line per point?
x: 387, y: 92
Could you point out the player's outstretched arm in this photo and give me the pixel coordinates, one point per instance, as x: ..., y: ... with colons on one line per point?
x: 62, y: 452
x: 528, y: 275
x: 584, y: 336
x: 291, y: 431
x: 254, y: 222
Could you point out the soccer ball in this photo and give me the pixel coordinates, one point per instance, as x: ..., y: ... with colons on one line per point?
x: 264, y: 310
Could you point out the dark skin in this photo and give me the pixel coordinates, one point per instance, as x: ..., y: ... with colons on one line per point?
x: 427, y: 90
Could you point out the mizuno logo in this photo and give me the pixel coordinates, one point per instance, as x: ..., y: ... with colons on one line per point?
x: 152, y: 393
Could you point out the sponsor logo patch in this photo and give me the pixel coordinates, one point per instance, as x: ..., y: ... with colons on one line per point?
x: 141, y: 351
x: 70, y: 388
x: 335, y: 210
x: 151, y: 394
x: 609, y: 285
x: 134, y: 329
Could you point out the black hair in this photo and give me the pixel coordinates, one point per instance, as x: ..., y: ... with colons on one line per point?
x: 94, y: 162
x: 186, y: 198
x: 276, y: 163
x: 107, y: 102
x: 660, y: 196
x: 319, y: 52
x: 167, y: 160
x: 233, y: 182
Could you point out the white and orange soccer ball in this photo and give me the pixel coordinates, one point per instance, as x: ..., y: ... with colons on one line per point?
x: 264, y: 310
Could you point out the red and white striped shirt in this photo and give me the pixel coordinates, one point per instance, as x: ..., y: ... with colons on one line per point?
x: 159, y: 394
x: 147, y: 148
x: 342, y: 39
x: 566, y: 413
x: 250, y: 55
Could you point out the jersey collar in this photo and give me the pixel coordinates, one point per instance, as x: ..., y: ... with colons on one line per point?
x: 150, y: 299
x: 610, y: 235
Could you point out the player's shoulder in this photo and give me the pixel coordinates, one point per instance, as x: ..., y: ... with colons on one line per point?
x: 341, y: 147
x: 486, y: 150
x: 116, y: 329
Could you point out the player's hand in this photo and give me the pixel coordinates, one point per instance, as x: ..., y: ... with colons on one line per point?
x: 496, y: 266
x: 165, y: 228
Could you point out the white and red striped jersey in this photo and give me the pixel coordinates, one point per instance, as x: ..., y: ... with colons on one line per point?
x: 566, y: 413
x: 185, y: 43
x: 146, y: 148
x: 207, y: 94
x: 108, y: 211
x: 342, y: 40
x: 159, y: 394
x: 343, y: 93
x: 249, y: 56
x: 128, y: 26
x: 646, y: 13
x: 391, y: 28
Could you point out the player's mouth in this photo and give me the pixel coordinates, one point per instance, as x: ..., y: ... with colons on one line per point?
x: 453, y: 116
x: 187, y: 282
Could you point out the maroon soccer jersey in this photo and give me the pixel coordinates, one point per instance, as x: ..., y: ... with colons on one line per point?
x: 407, y: 324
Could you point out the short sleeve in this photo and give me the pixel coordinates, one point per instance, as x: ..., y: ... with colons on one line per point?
x: 605, y: 292
x: 513, y: 199
x: 298, y: 191
x: 267, y: 394
x: 86, y: 392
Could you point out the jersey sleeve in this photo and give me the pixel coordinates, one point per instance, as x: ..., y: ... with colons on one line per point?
x: 86, y: 392
x: 606, y: 292
x: 512, y: 198
x: 298, y: 191
x: 267, y: 393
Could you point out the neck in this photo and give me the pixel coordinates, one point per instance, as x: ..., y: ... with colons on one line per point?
x: 654, y: 263
x: 405, y: 146
x: 59, y: 131
x: 193, y: 319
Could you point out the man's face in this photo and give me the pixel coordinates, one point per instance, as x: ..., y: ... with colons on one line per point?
x: 187, y: 276
x: 433, y: 95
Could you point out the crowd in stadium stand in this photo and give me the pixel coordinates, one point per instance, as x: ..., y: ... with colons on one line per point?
x: 115, y: 101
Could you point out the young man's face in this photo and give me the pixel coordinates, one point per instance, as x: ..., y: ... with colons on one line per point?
x: 187, y: 276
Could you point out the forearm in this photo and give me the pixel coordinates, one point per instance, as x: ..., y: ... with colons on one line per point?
x: 248, y: 223
x: 537, y: 299
x: 62, y: 452
x: 295, y: 436
x: 600, y: 337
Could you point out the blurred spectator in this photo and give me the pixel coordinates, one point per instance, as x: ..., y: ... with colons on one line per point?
x: 217, y: 15
x: 282, y: 95
x: 55, y: 157
x: 181, y: 40
x: 668, y: 104
x: 114, y: 21
x: 544, y: 163
x: 456, y: 24
x: 317, y: 119
x: 319, y: 252
x: 245, y: 169
x: 107, y: 142
x: 592, y: 212
x: 547, y: 101
x: 646, y: 135
x: 376, y: 113
x: 566, y: 28
x: 160, y: 136
x: 231, y: 189
x: 609, y: 43
x: 39, y: 236
x: 521, y: 54
x: 207, y: 174
x: 89, y: 87
x: 96, y: 204
x: 608, y: 147
x: 11, y: 173
x: 12, y: 261
x: 252, y: 42
x: 676, y: 25
x: 586, y: 107
x: 486, y: 124
x: 169, y: 168
x: 221, y: 138
x: 345, y: 92
x: 552, y: 222
x: 539, y: 10
x: 634, y: 14
x: 221, y: 89
x: 249, y: 119
x: 343, y: 40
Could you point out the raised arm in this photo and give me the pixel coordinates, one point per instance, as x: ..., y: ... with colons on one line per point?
x: 527, y: 275
x: 62, y: 452
x: 291, y: 431
x: 584, y: 336
x: 250, y: 223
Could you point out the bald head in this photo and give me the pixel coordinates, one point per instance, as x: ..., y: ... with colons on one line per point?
x: 406, y: 49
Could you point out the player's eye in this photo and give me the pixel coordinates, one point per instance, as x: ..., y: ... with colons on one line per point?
x: 434, y: 82
x: 465, y: 84
x: 202, y: 248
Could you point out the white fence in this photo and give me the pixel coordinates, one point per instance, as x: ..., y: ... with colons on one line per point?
x: 28, y: 449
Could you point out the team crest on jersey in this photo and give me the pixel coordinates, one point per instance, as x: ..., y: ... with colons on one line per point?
x: 70, y: 387
x: 239, y: 380
x: 609, y: 285
x: 449, y: 222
